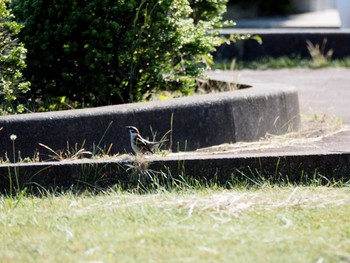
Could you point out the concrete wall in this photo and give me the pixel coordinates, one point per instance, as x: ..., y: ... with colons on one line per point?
x: 284, y: 42
x: 313, y: 5
x: 198, y: 121
x: 343, y: 7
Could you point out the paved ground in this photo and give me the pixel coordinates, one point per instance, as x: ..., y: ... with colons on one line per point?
x: 321, y: 91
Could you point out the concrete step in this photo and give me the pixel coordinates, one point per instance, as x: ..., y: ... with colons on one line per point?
x: 322, y: 162
x: 279, y: 42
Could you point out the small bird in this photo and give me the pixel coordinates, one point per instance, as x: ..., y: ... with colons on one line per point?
x: 139, y: 144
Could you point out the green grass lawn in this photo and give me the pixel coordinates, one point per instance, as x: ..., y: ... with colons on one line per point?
x: 270, y: 224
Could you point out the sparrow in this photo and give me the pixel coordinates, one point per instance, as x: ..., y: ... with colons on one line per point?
x: 140, y: 145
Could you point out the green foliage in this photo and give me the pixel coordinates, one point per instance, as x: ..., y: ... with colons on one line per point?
x: 12, y: 62
x: 102, y: 52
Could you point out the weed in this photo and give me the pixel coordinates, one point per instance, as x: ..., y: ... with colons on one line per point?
x: 14, y: 180
x: 318, y: 53
x: 75, y: 152
x: 142, y: 179
x: 171, y: 129
x: 256, y: 178
x: 13, y: 138
x: 162, y: 140
x: 97, y: 150
x: 14, y: 203
x: 78, y: 152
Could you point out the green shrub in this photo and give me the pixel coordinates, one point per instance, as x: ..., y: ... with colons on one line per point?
x: 12, y: 62
x: 100, y: 52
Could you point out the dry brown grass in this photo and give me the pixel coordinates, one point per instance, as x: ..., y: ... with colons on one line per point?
x: 314, y: 129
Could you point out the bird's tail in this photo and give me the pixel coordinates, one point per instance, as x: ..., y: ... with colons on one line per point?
x: 158, y: 142
x: 154, y: 145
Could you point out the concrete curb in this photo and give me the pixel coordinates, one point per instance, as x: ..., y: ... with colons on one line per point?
x: 198, y: 121
x: 222, y: 169
x: 284, y: 42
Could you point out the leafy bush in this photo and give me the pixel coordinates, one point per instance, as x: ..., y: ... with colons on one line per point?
x: 12, y: 62
x: 100, y: 52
